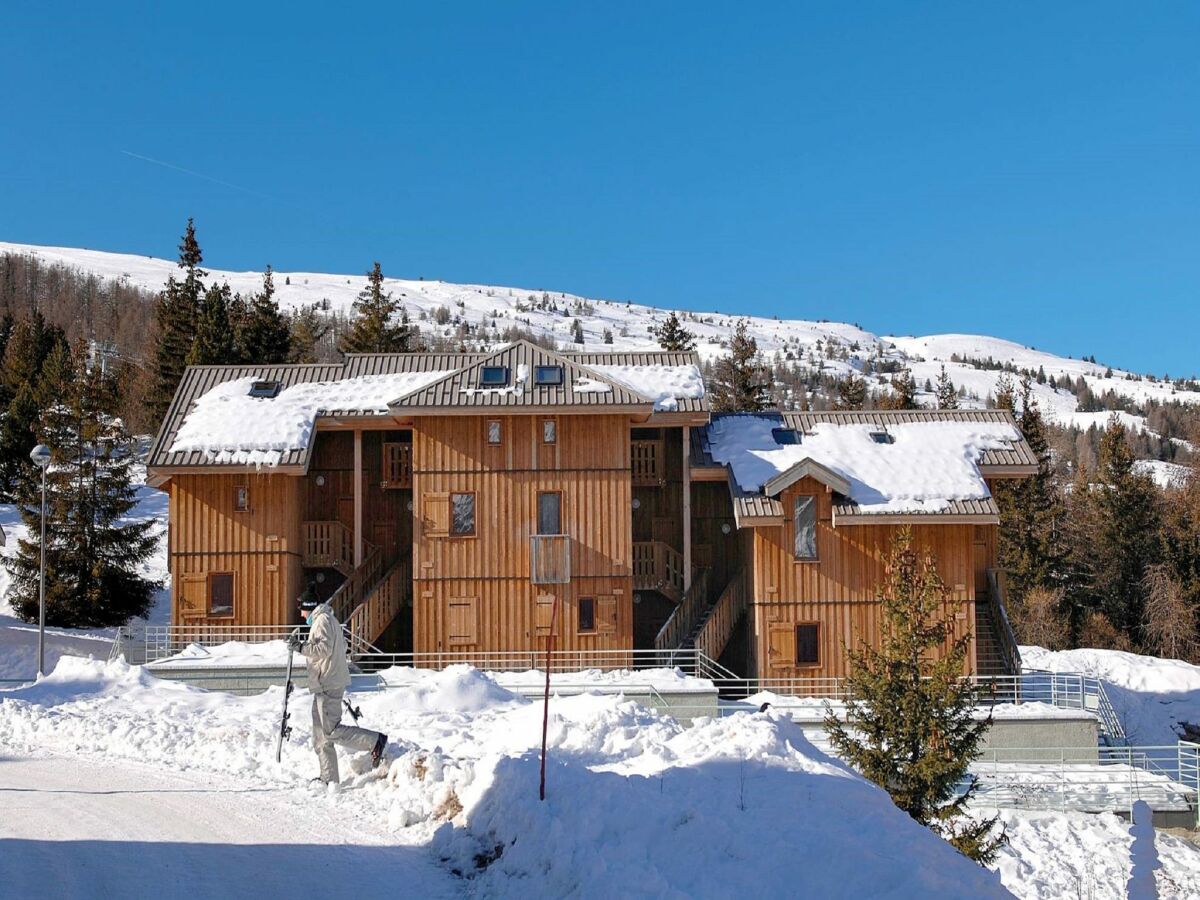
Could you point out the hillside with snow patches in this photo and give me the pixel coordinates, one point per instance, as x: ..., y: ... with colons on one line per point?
x: 551, y: 313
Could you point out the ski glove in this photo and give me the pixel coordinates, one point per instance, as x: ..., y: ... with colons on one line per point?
x: 295, y: 643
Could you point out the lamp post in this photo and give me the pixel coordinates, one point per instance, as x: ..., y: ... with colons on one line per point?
x: 41, y: 458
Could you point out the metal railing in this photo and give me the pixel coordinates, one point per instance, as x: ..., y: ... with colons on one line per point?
x: 1006, y: 638
x: 161, y: 641
x: 686, y: 616
x: 1166, y: 776
x: 550, y: 558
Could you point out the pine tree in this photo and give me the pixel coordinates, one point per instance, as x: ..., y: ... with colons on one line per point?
x: 31, y: 344
x: 852, y: 393
x: 903, y: 394
x: 307, y: 327
x: 214, y: 342
x: 947, y: 394
x: 175, y: 317
x: 739, y: 380
x: 671, y: 335
x: 577, y: 331
x: 910, y: 724
x: 1124, y: 542
x: 1031, y: 540
x: 1006, y: 393
x: 93, y: 557
x: 373, y: 331
x: 264, y: 336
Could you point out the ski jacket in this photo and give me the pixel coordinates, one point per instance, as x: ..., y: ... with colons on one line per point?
x: 325, y: 651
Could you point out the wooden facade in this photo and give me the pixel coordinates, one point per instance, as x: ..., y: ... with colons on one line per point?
x: 475, y: 591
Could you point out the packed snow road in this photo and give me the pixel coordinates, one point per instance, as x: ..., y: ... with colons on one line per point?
x: 78, y: 828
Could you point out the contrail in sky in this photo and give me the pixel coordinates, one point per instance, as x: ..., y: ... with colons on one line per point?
x: 167, y: 165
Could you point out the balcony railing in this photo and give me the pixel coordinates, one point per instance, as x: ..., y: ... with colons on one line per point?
x: 397, y: 465
x: 658, y: 566
x: 328, y: 545
x: 646, y: 463
x: 550, y: 558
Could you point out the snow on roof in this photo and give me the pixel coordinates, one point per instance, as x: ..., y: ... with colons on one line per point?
x: 230, y: 426
x: 926, y: 464
x: 665, y: 385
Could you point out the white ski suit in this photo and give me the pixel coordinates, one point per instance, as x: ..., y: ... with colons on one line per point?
x: 328, y: 678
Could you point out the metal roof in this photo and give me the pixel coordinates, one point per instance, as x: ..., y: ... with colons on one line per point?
x: 647, y: 358
x: 462, y: 390
x: 359, y: 364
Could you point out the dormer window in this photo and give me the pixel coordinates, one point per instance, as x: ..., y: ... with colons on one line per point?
x: 882, y: 437
x: 785, y: 436
x: 549, y: 375
x: 265, y: 389
x: 493, y: 377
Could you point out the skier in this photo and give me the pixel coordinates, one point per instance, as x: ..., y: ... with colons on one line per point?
x: 328, y: 678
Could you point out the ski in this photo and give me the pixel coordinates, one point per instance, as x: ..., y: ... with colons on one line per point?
x: 284, y: 728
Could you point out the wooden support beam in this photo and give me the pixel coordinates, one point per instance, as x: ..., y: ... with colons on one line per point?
x: 358, y: 499
x: 687, y: 508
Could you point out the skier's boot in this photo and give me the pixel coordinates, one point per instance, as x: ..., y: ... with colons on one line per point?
x: 377, y: 752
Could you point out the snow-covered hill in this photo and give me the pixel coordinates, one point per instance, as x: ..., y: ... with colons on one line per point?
x: 835, y: 348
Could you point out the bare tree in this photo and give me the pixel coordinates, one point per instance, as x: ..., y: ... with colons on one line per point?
x: 1169, y: 624
x: 1039, y: 619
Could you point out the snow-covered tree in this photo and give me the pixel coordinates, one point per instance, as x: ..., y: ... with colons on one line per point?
x: 93, y: 554
x: 852, y: 392
x: 947, y: 394
x: 910, y: 722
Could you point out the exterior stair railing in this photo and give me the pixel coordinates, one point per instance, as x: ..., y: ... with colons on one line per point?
x: 685, y: 616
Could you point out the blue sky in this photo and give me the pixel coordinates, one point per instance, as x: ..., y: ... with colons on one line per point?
x: 1028, y: 170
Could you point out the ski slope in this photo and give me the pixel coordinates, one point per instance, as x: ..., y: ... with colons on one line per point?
x: 834, y: 347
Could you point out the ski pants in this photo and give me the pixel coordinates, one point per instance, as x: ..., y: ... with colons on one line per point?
x: 328, y: 731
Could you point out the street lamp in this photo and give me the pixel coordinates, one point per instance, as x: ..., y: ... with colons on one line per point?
x: 41, y: 458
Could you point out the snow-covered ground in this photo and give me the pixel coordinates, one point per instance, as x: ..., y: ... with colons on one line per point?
x: 1151, y: 696
x: 837, y: 348
x: 637, y: 805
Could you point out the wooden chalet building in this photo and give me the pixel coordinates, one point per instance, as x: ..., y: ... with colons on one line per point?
x: 459, y: 505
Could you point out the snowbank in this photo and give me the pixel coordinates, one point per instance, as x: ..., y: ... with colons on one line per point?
x: 268, y: 654
x: 1151, y: 696
x: 924, y: 466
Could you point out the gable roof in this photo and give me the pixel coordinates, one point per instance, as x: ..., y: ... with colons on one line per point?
x: 646, y: 360
x: 806, y: 468
x: 461, y: 391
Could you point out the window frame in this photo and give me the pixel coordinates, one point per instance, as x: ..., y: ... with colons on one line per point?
x: 557, y: 381
x: 265, y: 389
x: 485, y: 383
x: 241, y: 498
x: 487, y: 432
x: 208, y: 595
x: 550, y: 427
x: 591, y: 607
x: 538, y: 524
x: 451, y: 532
x: 816, y: 553
x: 816, y: 662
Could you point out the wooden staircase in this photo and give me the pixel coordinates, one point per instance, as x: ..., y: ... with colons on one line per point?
x: 658, y: 566
x: 371, y: 597
x: 703, y: 624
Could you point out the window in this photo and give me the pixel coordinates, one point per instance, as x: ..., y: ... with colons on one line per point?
x: 587, y: 614
x: 549, y: 431
x: 220, y: 594
x: 785, y: 436
x: 265, y: 389
x: 549, y: 513
x: 462, y: 514
x: 241, y: 498
x: 882, y: 437
x: 548, y: 375
x: 806, y: 528
x: 808, y: 650
x: 494, y: 432
x: 493, y: 376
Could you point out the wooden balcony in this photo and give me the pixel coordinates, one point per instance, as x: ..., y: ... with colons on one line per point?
x: 550, y: 559
x: 647, y: 463
x: 328, y: 545
x: 658, y: 567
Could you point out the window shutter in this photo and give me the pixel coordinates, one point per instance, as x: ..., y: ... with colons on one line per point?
x: 542, y: 614
x: 781, y: 647
x: 193, y: 596
x: 606, y: 614
x: 435, y: 514
x: 463, y: 625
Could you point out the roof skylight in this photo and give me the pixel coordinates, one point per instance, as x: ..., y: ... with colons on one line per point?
x: 493, y: 376
x: 265, y: 389
x: 548, y: 375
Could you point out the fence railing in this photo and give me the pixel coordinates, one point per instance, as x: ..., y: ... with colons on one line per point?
x: 327, y: 545
x: 723, y: 618
x: 686, y: 616
x: 1090, y: 780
